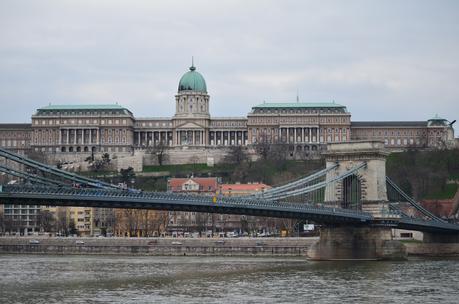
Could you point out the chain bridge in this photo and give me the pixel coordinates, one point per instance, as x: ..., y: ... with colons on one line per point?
x: 352, y: 192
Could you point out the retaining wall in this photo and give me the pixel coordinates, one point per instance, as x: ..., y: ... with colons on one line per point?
x: 160, y: 246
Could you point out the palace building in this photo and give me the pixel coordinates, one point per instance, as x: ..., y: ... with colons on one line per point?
x: 71, y: 133
x: 76, y: 131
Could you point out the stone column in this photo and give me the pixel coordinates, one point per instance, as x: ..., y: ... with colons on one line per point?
x: 310, y: 135
x: 90, y: 136
x: 75, y: 141
x: 138, y: 139
x: 294, y: 134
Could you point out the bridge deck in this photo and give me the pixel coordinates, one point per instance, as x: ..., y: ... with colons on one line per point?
x: 39, y: 195
x: 34, y: 195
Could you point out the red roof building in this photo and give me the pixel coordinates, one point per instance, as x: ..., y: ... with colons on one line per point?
x: 242, y: 189
x: 193, y: 184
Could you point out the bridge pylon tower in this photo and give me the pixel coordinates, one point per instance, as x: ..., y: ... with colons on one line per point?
x: 364, y: 190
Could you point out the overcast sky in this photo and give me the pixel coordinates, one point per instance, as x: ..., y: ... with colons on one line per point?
x: 384, y: 60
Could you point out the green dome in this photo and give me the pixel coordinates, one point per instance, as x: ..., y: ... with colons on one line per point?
x: 192, y: 81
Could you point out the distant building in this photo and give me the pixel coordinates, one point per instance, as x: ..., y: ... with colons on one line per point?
x: 82, y: 219
x: 21, y: 219
x: 73, y: 132
x: 207, y: 185
x: 434, y: 133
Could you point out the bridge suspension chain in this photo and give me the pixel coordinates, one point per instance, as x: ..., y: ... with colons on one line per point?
x: 30, y: 177
x: 316, y: 186
x: 412, y: 202
x: 54, y: 171
x: 297, y: 183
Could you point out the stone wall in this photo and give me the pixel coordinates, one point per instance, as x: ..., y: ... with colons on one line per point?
x: 135, y: 161
x: 432, y: 249
x: 160, y: 246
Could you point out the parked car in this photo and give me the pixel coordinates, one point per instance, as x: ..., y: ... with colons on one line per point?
x: 79, y: 242
x: 34, y: 242
x: 232, y: 234
x: 176, y: 243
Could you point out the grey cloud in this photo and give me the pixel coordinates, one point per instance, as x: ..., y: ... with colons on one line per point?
x: 383, y: 59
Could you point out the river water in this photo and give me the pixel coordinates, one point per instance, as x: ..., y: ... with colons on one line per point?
x: 110, y: 279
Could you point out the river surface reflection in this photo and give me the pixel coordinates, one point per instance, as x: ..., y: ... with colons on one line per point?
x: 115, y: 279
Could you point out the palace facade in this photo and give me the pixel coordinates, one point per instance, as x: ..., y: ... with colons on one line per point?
x: 73, y: 130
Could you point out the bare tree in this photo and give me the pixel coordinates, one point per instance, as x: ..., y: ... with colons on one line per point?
x: 2, y: 223
x: 62, y: 221
x: 162, y: 221
x: 263, y: 147
x: 46, y: 221
x: 99, y: 164
x: 160, y: 152
x: 127, y: 175
x: 236, y: 155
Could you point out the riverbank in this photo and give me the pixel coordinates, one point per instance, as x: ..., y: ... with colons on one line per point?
x: 293, y: 246
x: 159, y: 246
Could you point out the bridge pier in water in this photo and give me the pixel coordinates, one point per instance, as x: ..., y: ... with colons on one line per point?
x: 357, y: 243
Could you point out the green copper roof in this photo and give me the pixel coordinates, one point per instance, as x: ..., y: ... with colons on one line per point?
x: 84, y: 107
x: 192, y: 81
x: 299, y: 105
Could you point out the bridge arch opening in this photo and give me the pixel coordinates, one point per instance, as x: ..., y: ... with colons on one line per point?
x: 352, y: 192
